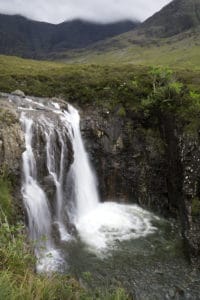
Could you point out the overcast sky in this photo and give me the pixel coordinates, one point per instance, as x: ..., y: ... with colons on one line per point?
x: 56, y: 11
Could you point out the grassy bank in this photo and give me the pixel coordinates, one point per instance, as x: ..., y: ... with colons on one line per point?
x: 18, y: 281
x: 83, y: 83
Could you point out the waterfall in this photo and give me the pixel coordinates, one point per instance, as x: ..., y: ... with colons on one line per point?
x: 60, y: 189
x: 85, y: 185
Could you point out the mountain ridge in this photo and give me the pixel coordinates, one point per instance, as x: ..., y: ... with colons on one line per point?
x: 174, y: 18
x: 33, y: 39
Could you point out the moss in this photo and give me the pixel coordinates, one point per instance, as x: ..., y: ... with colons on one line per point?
x: 121, y: 112
x: 196, y: 207
x: 7, y: 118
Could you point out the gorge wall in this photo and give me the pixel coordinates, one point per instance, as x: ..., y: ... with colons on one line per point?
x: 156, y: 167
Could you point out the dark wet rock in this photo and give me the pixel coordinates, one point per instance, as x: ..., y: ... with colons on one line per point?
x: 157, y: 168
x: 171, y: 293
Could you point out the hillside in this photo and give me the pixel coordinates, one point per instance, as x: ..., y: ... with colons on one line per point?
x: 178, y: 16
x: 170, y: 37
x: 27, y: 38
x: 182, y: 51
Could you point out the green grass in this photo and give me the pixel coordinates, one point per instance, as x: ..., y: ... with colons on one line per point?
x: 18, y: 281
x: 6, y: 205
x: 166, y: 55
x: 86, y: 83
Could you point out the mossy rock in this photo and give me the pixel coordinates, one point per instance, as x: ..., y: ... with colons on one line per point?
x: 7, y: 118
x: 196, y: 207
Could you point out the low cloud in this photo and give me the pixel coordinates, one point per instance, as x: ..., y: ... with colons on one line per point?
x: 57, y: 11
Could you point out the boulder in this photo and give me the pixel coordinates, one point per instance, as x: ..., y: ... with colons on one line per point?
x: 18, y: 93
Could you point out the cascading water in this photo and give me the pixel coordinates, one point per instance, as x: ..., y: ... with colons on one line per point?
x: 75, y: 202
x: 85, y: 186
x: 35, y: 200
x: 37, y: 206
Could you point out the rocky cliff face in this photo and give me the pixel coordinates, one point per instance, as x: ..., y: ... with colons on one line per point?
x: 157, y: 168
x: 11, y: 148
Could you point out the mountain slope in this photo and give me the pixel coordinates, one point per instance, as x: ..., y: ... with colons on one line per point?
x: 23, y: 37
x: 170, y: 37
x: 176, y: 17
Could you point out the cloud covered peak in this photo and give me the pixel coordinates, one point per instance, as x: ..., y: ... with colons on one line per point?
x: 57, y: 11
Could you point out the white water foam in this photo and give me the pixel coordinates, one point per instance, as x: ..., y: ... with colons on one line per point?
x: 110, y: 223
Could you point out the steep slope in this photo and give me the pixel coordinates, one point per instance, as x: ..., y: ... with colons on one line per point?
x: 80, y: 34
x: 23, y: 37
x: 176, y: 17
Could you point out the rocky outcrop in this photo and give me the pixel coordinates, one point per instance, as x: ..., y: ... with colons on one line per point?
x: 11, y: 148
x: 129, y: 159
x: 190, y: 156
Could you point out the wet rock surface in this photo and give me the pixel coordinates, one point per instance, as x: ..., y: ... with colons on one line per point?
x: 157, y: 168
x: 11, y: 149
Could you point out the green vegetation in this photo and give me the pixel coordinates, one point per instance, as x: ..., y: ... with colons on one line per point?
x: 97, y: 84
x: 6, y: 206
x: 180, y: 51
x: 119, y: 89
x: 7, y: 117
x: 171, y: 97
x: 196, y: 207
x: 19, y: 282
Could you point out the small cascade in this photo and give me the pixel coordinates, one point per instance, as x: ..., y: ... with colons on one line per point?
x: 35, y: 200
x: 45, y: 158
x: 37, y: 207
x: 60, y: 189
x: 56, y: 170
